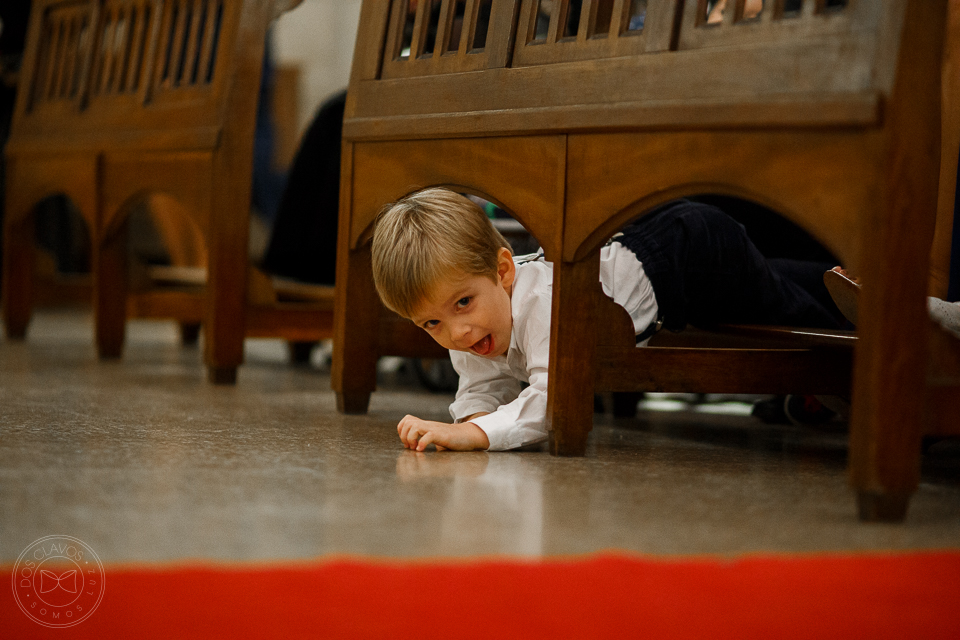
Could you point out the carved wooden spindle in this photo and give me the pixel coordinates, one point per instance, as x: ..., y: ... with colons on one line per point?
x: 619, y: 18
x: 63, y: 57
x: 46, y: 85
x: 585, y: 26
x: 189, y: 65
x: 105, y: 53
x: 469, y: 26
x: 557, y: 18
x: 420, y: 29
x: 176, y: 56
x: 124, y: 50
x: 79, y: 25
x: 444, y: 24
x: 120, y: 33
x: 132, y: 57
x: 209, y: 36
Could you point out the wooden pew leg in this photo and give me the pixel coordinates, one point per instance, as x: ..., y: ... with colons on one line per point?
x: 225, y: 322
x: 355, y: 403
x: 625, y: 403
x: 110, y: 294
x: 891, y: 356
x: 882, y: 507
x: 189, y: 333
x: 887, y: 410
x: 573, y: 345
x: 222, y: 375
x: 300, y: 351
x: 18, y: 256
x: 355, y: 328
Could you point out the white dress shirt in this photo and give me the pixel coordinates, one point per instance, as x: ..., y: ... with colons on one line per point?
x: 517, y: 416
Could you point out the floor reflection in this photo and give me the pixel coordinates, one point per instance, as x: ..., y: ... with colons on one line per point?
x: 493, y: 503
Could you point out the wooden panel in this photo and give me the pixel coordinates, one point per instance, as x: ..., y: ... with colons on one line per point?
x: 791, y: 111
x: 682, y: 89
x: 777, y: 371
x: 40, y: 140
x: 300, y: 322
x: 184, y: 176
x: 824, y: 181
x: 185, y: 306
x: 31, y: 178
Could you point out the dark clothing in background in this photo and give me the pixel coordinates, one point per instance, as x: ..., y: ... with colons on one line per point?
x: 267, y: 183
x: 303, y: 245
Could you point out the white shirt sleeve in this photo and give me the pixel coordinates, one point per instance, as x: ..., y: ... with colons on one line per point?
x: 517, y: 418
x: 484, y: 385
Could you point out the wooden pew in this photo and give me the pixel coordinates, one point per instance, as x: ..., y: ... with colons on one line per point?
x: 826, y: 111
x: 122, y: 101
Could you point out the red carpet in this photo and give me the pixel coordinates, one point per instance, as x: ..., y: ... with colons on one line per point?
x: 607, y: 596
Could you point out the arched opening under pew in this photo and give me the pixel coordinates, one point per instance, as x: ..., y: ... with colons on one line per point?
x: 62, y: 253
x: 167, y: 262
x: 46, y: 254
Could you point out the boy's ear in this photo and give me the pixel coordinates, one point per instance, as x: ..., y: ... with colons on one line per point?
x: 506, y: 268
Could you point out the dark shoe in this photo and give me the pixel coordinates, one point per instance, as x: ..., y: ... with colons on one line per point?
x: 770, y: 411
x: 806, y: 410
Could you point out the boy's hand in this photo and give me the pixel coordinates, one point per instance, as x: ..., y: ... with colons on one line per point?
x: 417, y: 434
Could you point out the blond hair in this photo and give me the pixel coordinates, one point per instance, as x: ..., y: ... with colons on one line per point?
x: 426, y: 236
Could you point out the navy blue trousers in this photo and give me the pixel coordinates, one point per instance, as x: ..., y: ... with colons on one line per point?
x: 705, y: 271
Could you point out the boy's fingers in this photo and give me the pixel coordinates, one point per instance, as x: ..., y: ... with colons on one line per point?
x: 406, y: 431
x: 411, y: 436
x: 424, y: 441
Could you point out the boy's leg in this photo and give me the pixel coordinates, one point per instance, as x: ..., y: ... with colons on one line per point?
x: 809, y: 275
x: 706, y: 271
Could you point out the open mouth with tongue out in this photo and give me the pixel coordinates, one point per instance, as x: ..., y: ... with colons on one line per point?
x: 483, y: 346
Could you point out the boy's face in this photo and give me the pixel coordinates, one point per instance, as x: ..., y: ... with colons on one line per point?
x: 471, y: 313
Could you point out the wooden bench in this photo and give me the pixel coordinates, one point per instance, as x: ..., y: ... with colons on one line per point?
x: 121, y: 101
x: 577, y: 117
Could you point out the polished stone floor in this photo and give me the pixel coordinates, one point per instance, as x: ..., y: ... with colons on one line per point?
x: 145, y: 461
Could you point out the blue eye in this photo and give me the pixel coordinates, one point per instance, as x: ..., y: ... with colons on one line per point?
x: 462, y: 302
x: 430, y: 324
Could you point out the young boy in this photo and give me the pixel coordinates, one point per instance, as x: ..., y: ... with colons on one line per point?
x: 438, y: 261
